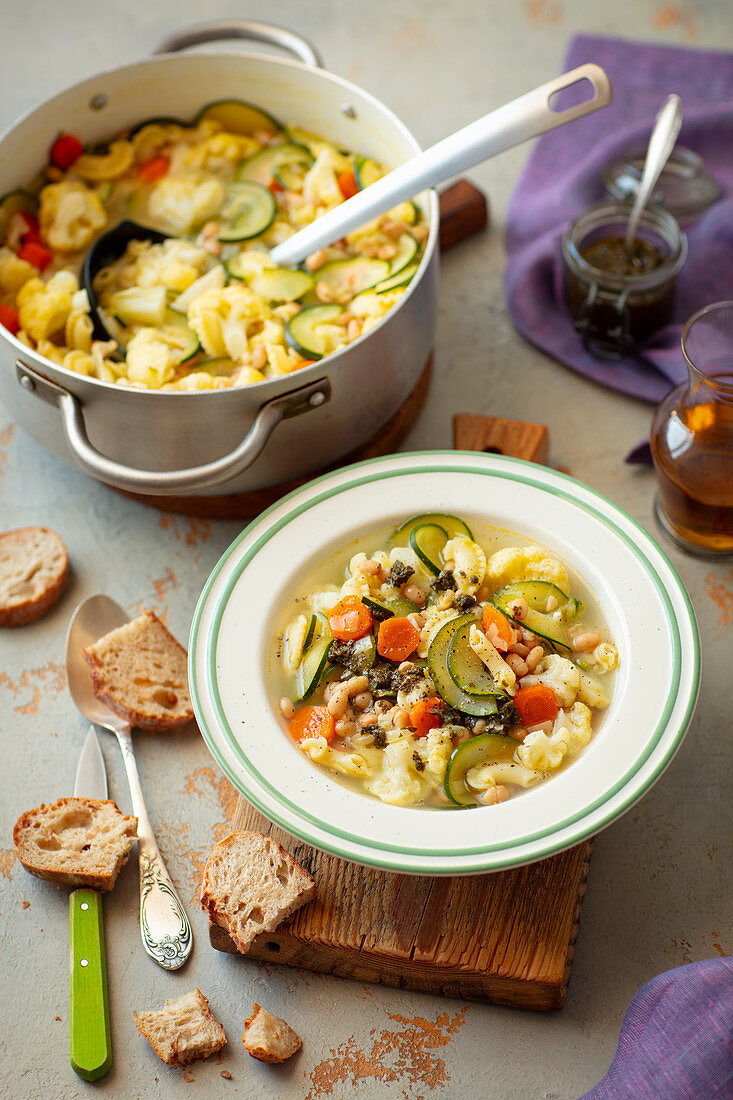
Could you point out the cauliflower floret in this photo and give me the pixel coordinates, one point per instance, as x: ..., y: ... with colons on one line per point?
x: 220, y: 152
x: 153, y: 355
x: 14, y: 272
x: 591, y: 692
x: 422, y: 688
x: 224, y: 319
x: 576, y: 725
x: 183, y: 204
x: 173, y: 264
x: 470, y: 563
x: 435, y: 751
x: 525, y: 563
x: 483, y: 776
x: 560, y: 675
x: 320, y: 186
x: 282, y: 360
x: 400, y: 783
x: 369, y: 304
x: 325, y: 600
x: 542, y: 751
x: 43, y: 308
x: 70, y: 215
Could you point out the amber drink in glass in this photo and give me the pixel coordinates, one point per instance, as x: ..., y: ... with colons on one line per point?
x: 692, y: 440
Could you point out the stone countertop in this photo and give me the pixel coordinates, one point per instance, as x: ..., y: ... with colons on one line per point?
x: 657, y: 896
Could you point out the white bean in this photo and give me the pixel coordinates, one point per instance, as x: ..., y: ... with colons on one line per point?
x: 518, y: 608
x: 517, y: 665
x: 494, y: 795
x: 587, y: 640
x: 365, y: 720
x: 400, y: 718
x: 339, y: 700
x: 445, y: 601
x: 356, y: 685
x: 363, y: 700
x: 286, y: 707
x: 415, y: 594
x: 533, y: 658
x: 345, y: 728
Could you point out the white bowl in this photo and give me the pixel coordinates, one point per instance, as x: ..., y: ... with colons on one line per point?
x: 643, y: 599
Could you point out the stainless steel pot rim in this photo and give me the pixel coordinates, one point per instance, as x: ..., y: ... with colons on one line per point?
x: 300, y: 377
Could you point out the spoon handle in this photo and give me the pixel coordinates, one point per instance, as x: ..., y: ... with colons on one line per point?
x: 164, y: 926
x: 523, y: 118
x: 666, y: 127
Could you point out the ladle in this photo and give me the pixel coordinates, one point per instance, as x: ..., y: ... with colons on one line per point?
x: 661, y: 143
x: 524, y: 118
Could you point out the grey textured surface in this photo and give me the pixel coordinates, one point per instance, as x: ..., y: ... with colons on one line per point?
x: 658, y: 894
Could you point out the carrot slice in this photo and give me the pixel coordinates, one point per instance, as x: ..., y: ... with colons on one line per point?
x: 312, y: 722
x: 350, y: 619
x: 153, y: 169
x: 504, y: 632
x: 397, y: 639
x: 347, y: 184
x: 425, y: 714
x: 536, y: 704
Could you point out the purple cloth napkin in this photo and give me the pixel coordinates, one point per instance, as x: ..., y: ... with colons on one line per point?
x: 563, y: 175
x: 676, y: 1040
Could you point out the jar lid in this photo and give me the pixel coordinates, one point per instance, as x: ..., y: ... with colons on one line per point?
x: 685, y: 187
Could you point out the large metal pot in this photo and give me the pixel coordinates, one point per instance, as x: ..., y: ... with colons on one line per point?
x: 246, y: 438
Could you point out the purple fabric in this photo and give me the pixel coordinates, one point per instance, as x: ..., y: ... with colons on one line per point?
x: 563, y: 175
x: 676, y: 1040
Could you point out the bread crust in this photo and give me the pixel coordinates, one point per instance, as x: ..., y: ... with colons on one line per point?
x: 280, y: 902
x: 97, y: 867
x: 268, y: 1038
x: 136, y: 717
x: 20, y: 612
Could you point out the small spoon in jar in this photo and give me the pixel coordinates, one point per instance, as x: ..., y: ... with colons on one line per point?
x: 661, y: 143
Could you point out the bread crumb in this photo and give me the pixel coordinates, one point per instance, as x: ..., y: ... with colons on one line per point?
x: 183, y: 1031
x: 57, y: 1017
x: 26, y: 905
x: 268, y: 1038
x: 226, y: 1075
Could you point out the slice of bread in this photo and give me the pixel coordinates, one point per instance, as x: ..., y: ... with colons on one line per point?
x: 268, y: 1038
x: 183, y: 1030
x: 75, y: 841
x: 251, y: 884
x: 141, y: 673
x: 34, y: 569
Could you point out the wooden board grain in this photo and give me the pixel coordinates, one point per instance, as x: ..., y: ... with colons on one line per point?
x: 507, y: 937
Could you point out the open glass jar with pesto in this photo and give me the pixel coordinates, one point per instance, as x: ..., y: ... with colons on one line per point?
x: 617, y: 297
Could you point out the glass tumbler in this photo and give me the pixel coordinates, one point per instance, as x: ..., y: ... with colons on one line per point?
x: 692, y: 440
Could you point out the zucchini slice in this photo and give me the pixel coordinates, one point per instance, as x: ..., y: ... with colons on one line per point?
x: 402, y: 607
x: 484, y: 749
x: 477, y: 705
x: 138, y: 305
x: 428, y: 540
x: 217, y: 368
x: 407, y: 248
x: 185, y: 336
x: 249, y: 209
x: 157, y: 120
x: 311, y: 142
x: 466, y: 668
x: 15, y: 202
x: 314, y: 664
x: 301, y: 331
x: 402, y: 278
x: 366, y: 171
x: 262, y: 167
x: 282, y: 285
x: 452, y: 525
x: 537, y: 593
x: 347, y: 278
x: 291, y: 176
x: 365, y: 652
x: 544, y: 625
x: 380, y: 611
x: 239, y: 117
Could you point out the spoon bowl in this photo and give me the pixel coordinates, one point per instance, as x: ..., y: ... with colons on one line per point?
x: 105, y: 250
x: 164, y: 926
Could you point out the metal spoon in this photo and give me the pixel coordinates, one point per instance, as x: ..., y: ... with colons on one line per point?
x: 164, y: 926
x: 664, y: 134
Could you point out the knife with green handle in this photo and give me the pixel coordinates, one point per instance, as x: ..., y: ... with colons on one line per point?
x: 91, y: 1040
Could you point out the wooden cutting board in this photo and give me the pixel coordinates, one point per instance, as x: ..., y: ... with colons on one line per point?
x: 507, y: 937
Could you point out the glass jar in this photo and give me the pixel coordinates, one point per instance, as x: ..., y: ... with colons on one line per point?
x: 685, y: 188
x: 615, y: 309
x: 692, y: 440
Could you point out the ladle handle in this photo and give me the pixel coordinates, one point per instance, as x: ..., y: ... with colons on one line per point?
x: 520, y: 120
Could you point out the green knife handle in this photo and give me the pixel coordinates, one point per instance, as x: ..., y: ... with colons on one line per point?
x: 91, y: 1041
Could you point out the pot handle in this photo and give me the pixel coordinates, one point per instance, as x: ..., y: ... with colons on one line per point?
x: 223, y: 29
x: 170, y: 482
